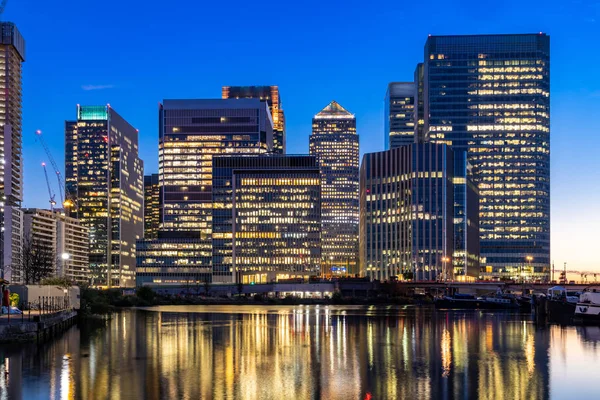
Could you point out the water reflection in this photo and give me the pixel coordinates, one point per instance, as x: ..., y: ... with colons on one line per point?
x: 303, y: 353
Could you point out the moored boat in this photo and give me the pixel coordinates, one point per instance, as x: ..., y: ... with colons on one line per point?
x: 470, y: 302
x: 561, y: 304
x: 588, y: 307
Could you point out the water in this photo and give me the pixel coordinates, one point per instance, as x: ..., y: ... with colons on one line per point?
x: 310, y: 352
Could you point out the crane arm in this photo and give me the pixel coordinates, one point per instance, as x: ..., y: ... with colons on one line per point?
x: 61, y: 183
x: 52, y: 202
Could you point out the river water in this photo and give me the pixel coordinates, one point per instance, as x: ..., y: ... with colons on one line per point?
x: 307, y: 352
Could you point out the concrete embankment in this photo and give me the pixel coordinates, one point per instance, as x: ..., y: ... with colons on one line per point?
x: 23, y: 331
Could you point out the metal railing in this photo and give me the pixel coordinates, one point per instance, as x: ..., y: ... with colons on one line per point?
x: 45, y: 307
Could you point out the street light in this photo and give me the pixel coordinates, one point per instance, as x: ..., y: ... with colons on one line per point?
x: 65, y: 257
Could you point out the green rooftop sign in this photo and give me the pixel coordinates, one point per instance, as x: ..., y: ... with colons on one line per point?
x: 92, y: 113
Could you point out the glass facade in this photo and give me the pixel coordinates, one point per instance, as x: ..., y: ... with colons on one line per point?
x: 101, y: 158
x: 191, y: 133
x: 490, y: 95
x: 270, y: 94
x: 399, y: 116
x: 177, y: 259
x: 151, y: 206
x: 406, y: 213
x: 266, y: 218
x: 465, y: 258
x: 12, y: 56
x: 419, y: 119
x: 334, y: 143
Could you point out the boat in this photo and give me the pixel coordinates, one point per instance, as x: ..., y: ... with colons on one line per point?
x: 588, y: 307
x: 470, y: 302
x: 560, y: 305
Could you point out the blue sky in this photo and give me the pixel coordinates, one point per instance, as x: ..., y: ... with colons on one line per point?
x: 133, y: 53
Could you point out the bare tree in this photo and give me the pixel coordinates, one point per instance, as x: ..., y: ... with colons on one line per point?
x: 36, y: 261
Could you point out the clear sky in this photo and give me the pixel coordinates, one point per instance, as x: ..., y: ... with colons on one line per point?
x: 133, y: 53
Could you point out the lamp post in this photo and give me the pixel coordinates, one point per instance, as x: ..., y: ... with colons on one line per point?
x: 65, y: 257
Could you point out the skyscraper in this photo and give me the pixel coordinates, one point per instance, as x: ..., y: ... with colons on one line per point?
x: 191, y: 133
x: 419, y: 118
x: 266, y: 218
x: 334, y: 143
x: 151, y: 206
x: 490, y: 95
x: 399, y: 114
x: 12, y: 55
x: 270, y: 94
x: 100, y: 145
x: 406, y: 213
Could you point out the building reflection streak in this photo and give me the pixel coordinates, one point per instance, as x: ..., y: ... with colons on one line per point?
x: 295, y: 353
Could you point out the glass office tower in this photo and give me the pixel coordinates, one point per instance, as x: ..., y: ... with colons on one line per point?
x: 406, y: 213
x: 270, y: 94
x: 419, y: 119
x: 399, y: 115
x: 191, y: 133
x: 334, y: 143
x: 266, y: 218
x: 12, y: 56
x: 151, y: 206
x: 101, y: 158
x: 490, y: 95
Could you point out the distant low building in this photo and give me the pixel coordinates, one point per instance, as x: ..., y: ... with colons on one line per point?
x: 67, y: 239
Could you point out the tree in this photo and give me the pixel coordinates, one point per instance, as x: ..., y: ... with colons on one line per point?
x: 37, y: 261
x: 61, y: 282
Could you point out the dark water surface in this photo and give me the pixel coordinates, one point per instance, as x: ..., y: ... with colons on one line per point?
x: 307, y: 352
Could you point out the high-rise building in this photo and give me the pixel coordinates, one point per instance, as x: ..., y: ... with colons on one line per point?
x: 466, y: 256
x: 100, y: 145
x: 191, y: 133
x: 65, y: 237
x: 270, y: 94
x: 406, y: 213
x: 399, y: 104
x: 151, y: 206
x: 334, y: 143
x: 490, y: 95
x: 419, y: 118
x: 266, y: 218
x: 12, y: 55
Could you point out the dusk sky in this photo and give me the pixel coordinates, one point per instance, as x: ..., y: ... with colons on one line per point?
x: 132, y: 54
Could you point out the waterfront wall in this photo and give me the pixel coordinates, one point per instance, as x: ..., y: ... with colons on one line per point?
x: 19, y: 330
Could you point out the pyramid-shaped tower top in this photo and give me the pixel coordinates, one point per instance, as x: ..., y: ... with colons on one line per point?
x: 334, y: 110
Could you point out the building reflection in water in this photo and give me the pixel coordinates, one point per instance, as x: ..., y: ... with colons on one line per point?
x: 296, y: 353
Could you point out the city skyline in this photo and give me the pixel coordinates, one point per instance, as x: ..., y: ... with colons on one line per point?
x: 574, y: 97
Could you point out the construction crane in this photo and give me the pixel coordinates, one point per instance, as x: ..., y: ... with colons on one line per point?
x: 52, y: 201
x: 66, y: 202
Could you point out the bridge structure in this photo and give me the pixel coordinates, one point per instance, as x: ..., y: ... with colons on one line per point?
x: 363, y: 288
